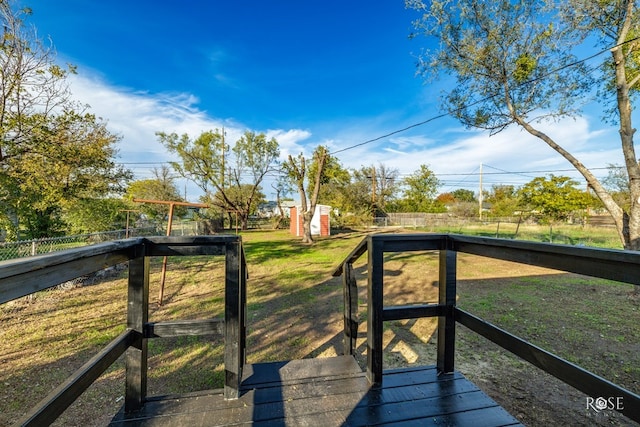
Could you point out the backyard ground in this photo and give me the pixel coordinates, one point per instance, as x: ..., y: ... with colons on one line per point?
x: 295, y: 311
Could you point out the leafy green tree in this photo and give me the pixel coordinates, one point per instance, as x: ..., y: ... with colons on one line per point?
x: 617, y: 183
x: 237, y: 195
x: 72, y: 159
x: 95, y: 215
x: 309, y: 176
x: 52, y: 151
x: 382, y: 183
x: 555, y: 198
x: 362, y: 192
x: 33, y: 86
x: 420, y: 190
x: 503, y: 199
x: 232, y: 184
x: 512, y: 63
x: 464, y: 195
x: 282, y: 187
x: 336, y: 185
x: 356, y: 196
x: 161, y: 187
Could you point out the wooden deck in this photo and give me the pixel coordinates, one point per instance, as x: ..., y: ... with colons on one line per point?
x: 329, y: 392
x: 314, y: 392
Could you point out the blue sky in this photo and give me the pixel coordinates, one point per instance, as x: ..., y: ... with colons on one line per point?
x: 305, y: 72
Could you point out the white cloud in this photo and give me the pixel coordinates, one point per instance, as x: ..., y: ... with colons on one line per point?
x: 455, y: 155
x: 137, y: 116
x: 446, y: 148
x: 289, y: 140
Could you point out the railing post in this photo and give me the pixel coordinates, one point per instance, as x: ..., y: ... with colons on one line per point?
x: 350, y: 293
x: 447, y: 323
x: 234, y: 319
x: 137, y: 317
x: 375, y: 306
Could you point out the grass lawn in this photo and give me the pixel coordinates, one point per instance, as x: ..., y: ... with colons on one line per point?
x: 295, y: 311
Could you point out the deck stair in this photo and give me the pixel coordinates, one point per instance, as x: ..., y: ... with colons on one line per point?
x: 330, y: 391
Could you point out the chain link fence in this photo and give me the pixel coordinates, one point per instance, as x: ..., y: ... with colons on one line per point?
x: 25, y: 248
x: 436, y: 220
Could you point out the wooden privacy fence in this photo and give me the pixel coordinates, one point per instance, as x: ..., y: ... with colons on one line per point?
x: 622, y: 266
x: 22, y: 277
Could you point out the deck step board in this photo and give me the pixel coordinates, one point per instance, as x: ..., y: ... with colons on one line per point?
x: 310, y: 392
x: 302, y: 369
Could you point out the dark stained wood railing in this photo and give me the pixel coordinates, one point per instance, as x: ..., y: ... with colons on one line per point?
x: 623, y: 266
x: 22, y: 277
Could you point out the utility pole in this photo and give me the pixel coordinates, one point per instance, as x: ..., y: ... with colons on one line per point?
x: 223, y: 156
x: 171, y: 204
x: 480, y: 196
x: 373, y: 185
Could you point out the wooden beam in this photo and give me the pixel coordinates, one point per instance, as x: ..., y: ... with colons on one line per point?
x: 571, y: 374
x: 375, y: 306
x: 52, y: 406
x: 234, y: 320
x: 413, y: 311
x: 137, y: 318
x: 350, y: 307
x: 22, y: 277
x: 611, y: 264
x: 172, y: 202
x: 446, y: 322
x: 179, y: 328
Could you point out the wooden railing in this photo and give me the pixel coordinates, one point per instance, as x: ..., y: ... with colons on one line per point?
x: 19, y: 278
x: 623, y: 266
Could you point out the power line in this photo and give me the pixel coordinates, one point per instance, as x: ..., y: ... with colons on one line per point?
x: 459, y: 183
x: 506, y: 172
x: 485, y: 99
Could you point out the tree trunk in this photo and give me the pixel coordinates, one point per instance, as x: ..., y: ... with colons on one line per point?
x: 280, y: 216
x: 298, y: 173
x: 306, y: 227
x: 231, y: 222
x: 631, y: 222
x: 612, y: 207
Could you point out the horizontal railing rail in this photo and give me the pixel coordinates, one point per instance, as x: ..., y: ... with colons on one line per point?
x: 26, y: 248
x: 22, y: 277
x: 617, y: 265
x: 19, y: 278
x: 52, y: 406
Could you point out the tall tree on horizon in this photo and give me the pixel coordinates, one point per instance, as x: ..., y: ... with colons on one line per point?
x: 230, y: 178
x: 513, y: 64
x: 53, y: 151
x: 308, y: 178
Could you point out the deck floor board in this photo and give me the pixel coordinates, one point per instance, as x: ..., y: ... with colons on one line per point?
x: 328, y: 392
